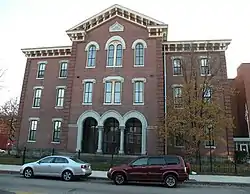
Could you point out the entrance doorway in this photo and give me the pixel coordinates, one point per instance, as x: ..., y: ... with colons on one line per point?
x: 111, y: 138
x: 133, y: 134
x: 90, y: 136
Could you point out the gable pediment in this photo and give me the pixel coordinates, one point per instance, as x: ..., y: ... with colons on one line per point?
x: 116, y: 27
x: 114, y: 11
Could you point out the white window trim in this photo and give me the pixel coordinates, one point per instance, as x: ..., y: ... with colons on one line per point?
x: 115, y: 38
x: 40, y: 62
x: 87, y: 51
x: 144, y: 46
x: 60, y: 63
x: 173, y: 58
x: 139, y: 41
x: 110, y: 42
x: 115, y: 50
x: 60, y: 87
x: 208, y: 58
x: 93, y: 81
x: 208, y: 147
x: 34, y: 92
x: 144, y: 81
x: 173, y: 88
x: 113, y: 79
x: 32, y: 119
x: 53, y: 120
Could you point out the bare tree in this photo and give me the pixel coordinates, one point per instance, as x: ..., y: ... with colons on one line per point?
x: 9, y: 112
x: 195, y: 106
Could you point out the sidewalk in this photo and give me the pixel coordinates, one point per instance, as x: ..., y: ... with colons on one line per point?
x: 194, y: 179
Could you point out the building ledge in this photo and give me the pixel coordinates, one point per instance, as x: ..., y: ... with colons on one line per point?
x: 44, y: 52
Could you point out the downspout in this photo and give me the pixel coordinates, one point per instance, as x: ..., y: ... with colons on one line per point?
x: 165, y: 91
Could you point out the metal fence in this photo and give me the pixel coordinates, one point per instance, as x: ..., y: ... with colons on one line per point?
x: 204, y: 165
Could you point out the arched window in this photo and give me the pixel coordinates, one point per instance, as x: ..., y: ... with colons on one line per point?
x: 139, y: 54
x: 91, y: 56
x: 91, y: 48
x: 115, y: 53
x: 139, y: 46
x: 111, y: 52
x: 114, y: 47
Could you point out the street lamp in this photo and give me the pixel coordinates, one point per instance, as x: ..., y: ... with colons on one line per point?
x: 210, y: 147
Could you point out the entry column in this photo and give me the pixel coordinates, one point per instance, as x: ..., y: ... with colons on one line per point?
x: 121, y: 151
x: 100, y: 137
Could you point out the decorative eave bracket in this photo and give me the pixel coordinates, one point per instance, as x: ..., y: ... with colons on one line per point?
x: 44, y: 52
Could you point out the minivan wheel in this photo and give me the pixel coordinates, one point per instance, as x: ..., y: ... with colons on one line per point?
x: 170, y: 181
x: 119, y: 179
x: 67, y: 175
x: 28, y: 173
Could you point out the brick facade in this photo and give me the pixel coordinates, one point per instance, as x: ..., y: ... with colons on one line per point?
x: 73, y: 114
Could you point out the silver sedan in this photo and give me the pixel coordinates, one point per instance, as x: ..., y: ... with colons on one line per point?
x: 57, y: 166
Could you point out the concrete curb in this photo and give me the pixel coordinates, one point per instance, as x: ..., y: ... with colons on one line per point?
x: 191, y: 182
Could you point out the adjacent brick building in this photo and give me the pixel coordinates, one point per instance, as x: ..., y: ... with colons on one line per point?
x: 240, y: 107
x: 108, y: 88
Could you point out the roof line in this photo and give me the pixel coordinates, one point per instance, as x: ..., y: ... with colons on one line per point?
x: 52, y: 47
x: 111, y: 7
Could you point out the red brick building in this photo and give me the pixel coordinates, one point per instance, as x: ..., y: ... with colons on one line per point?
x: 107, y: 88
x: 240, y: 107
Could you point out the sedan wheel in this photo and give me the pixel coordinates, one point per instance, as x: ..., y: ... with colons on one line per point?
x: 119, y: 179
x: 67, y: 175
x: 170, y: 181
x: 28, y: 173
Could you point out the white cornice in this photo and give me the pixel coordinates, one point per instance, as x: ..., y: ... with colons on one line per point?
x: 78, y: 32
x: 44, y: 52
x: 116, y: 7
x: 197, y: 45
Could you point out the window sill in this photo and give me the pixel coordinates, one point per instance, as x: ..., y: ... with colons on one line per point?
x: 177, y: 75
x: 208, y: 147
x: 113, y: 66
x: 62, y: 77
x: 55, y: 142
x: 90, y: 67
x: 39, y: 77
x: 111, y: 104
x: 30, y: 141
x: 35, y: 107
x: 138, y: 65
x: 203, y: 75
x: 58, y: 107
x: 87, y: 103
x: 138, y: 104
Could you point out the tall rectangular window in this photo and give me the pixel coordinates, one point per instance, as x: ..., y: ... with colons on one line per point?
x: 204, y: 67
x: 210, y: 141
x: 112, y: 92
x: 41, y: 70
x: 37, y: 97
x: 57, y: 124
x: 177, y: 67
x: 32, y: 130
x: 60, y: 96
x: 138, y: 92
x: 177, y: 97
x: 88, y: 92
x: 207, y: 94
x: 63, y: 70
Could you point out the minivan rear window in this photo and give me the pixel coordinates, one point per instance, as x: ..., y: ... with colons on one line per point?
x: 172, y: 160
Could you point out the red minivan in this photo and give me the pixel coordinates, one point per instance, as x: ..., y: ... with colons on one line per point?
x: 168, y: 170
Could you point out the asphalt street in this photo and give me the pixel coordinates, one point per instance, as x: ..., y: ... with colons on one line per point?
x: 19, y: 185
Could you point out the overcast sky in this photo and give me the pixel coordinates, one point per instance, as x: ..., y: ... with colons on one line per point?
x: 36, y: 23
